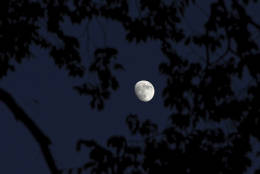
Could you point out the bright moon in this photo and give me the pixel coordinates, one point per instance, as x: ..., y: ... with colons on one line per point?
x: 144, y: 90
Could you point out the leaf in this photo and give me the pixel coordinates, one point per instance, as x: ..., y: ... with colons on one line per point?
x: 118, y: 67
x: 133, y: 123
x: 89, y: 165
x: 88, y: 143
x: 187, y: 41
x: 118, y: 142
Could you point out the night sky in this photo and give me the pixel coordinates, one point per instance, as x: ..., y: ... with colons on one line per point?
x: 45, y: 93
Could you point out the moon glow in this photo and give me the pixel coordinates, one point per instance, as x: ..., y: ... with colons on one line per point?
x: 144, y: 90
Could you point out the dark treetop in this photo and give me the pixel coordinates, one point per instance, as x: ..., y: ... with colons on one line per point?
x: 198, y: 90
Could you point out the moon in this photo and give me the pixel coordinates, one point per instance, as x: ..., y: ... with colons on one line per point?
x: 144, y: 90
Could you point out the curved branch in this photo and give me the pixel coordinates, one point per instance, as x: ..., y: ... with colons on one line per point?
x: 39, y: 136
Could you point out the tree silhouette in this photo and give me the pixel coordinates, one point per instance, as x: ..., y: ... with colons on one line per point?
x: 23, y: 23
x: 196, y: 91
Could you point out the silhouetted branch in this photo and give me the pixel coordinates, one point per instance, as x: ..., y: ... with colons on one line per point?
x: 255, y: 24
x: 227, y: 49
x: 207, y: 49
x: 39, y: 136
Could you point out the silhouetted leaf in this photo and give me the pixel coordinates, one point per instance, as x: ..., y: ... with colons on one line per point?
x: 118, y: 67
x: 133, y: 123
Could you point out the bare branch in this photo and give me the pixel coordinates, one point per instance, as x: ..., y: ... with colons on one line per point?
x: 254, y: 24
x: 39, y: 136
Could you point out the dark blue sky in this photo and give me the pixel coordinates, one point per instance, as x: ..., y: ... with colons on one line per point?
x: 65, y: 116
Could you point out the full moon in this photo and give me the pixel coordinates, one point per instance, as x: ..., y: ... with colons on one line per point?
x: 144, y: 90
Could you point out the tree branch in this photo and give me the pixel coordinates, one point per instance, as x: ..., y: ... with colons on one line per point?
x: 39, y: 136
x: 207, y: 49
x: 254, y: 24
x: 227, y: 49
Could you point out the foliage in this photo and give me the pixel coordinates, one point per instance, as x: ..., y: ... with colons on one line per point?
x: 199, y: 91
